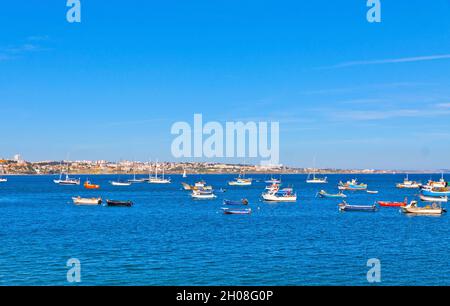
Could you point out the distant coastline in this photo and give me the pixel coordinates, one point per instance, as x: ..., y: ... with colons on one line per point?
x: 12, y: 167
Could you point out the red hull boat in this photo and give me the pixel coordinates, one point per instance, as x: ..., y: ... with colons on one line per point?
x: 391, y: 204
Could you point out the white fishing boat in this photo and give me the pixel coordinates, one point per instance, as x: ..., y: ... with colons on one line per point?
x: 435, y: 184
x: 314, y: 179
x: 424, y: 198
x: 158, y: 180
x: 283, y: 195
x: 203, y: 195
x: 86, y: 201
x: 67, y: 180
x: 433, y: 209
x: 407, y: 184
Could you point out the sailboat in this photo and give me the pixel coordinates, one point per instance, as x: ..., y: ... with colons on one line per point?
x: 184, y: 173
x: 119, y: 182
x: 134, y: 179
x: 67, y: 180
x: 315, y: 180
x: 158, y: 180
x: 408, y: 184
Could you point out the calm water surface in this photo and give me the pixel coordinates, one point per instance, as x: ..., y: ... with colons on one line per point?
x: 169, y: 239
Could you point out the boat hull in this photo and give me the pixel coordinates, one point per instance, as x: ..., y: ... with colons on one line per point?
x: 119, y: 203
x: 227, y: 211
x: 360, y: 208
x: 274, y: 198
x: 433, y: 199
x: 391, y: 204
x: 86, y: 201
x: 432, y: 193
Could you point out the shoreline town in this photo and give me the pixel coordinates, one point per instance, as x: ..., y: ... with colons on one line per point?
x: 18, y: 166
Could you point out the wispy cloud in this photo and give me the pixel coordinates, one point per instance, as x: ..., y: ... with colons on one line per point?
x: 18, y: 50
x: 389, y: 61
x: 443, y: 105
x: 360, y: 115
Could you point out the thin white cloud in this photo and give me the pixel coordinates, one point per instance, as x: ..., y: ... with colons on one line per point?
x: 443, y: 105
x: 390, y: 61
x: 387, y: 114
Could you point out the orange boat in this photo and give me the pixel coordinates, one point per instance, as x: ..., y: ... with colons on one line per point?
x: 88, y: 185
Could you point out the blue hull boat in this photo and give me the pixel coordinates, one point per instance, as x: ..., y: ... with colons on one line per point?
x: 365, y: 208
x: 241, y: 202
x: 436, y: 193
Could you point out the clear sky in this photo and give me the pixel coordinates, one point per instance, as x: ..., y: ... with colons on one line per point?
x: 351, y: 93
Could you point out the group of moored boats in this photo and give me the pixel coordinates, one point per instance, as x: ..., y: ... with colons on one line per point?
x: 436, y: 192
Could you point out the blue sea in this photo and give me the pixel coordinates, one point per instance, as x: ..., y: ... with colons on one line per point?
x: 167, y: 238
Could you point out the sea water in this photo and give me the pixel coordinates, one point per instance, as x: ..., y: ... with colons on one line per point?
x: 167, y: 238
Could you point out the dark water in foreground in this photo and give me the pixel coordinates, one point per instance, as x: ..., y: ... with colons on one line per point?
x: 169, y: 239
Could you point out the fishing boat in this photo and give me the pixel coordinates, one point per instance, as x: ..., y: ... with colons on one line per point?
x: 228, y: 211
x: 241, y: 202
x: 86, y: 201
x: 433, y: 209
x: 435, y: 184
x: 197, y: 186
x: 393, y: 204
x: 241, y: 181
x: 407, y: 184
x: 372, y: 191
x: 67, y: 180
x: 364, y: 208
x: 314, y: 179
x: 203, y: 194
x: 352, y: 185
x: 283, y: 195
x: 119, y: 203
x: 324, y: 194
x: 436, y: 192
x: 89, y: 185
x: 159, y: 180
x: 433, y: 199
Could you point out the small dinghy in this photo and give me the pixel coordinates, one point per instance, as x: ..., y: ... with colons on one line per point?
x: 120, y: 183
x: 372, y: 191
x: 89, y: 185
x: 393, y: 204
x: 86, y: 201
x: 365, y: 208
x: 228, y: 211
x: 241, y: 202
x: 119, y: 203
x: 433, y: 209
x: 324, y: 194
x: 433, y: 199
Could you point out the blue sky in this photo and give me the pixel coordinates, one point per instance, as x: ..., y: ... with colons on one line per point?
x: 351, y: 93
